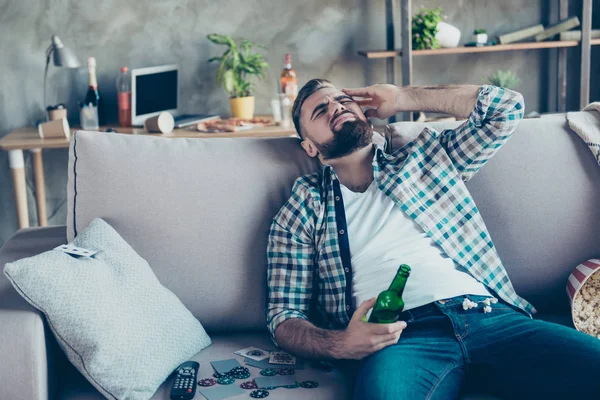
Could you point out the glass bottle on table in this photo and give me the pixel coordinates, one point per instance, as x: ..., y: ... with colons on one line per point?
x: 389, y: 303
x: 124, y: 97
x: 92, y: 95
x: 288, y: 79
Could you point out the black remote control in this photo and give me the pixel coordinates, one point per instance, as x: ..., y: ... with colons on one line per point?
x: 184, y: 386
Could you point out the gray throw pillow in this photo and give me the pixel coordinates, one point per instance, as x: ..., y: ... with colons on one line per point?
x: 117, y: 324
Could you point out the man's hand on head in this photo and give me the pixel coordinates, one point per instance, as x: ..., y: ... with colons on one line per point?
x: 385, y: 100
x: 381, y: 99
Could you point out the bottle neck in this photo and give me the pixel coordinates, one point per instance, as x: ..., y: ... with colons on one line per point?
x: 399, y: 283
x: 92, y: 81
x: 288, y: 66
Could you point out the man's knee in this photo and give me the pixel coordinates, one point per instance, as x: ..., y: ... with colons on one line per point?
x: 390, y: 375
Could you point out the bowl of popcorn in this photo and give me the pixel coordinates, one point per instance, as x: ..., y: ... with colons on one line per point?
x: 583, y: 288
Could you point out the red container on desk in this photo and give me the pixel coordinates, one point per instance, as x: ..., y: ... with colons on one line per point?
x: 124, y: 97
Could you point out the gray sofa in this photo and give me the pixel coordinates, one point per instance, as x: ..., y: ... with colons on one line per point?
x: 199, y: 211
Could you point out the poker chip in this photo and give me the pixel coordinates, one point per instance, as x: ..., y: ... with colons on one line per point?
x: 219, y: 376
x: 240, y: 373
x: 249, y: 385
x: 268, y: 372
x: 270, y: 387
x: 309, y: 384
x: 238, y: 370
x: 259, y: 394
x: 243, y: 375
x: 294, y: 386
x: 286, y: 371
x: 226, y: 380
x: 207, y: 382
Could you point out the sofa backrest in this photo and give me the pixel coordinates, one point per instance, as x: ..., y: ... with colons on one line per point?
x: 199, y: 210
x: 540, y: 199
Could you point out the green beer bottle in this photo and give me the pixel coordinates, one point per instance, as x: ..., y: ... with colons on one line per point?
x: 389, y: 303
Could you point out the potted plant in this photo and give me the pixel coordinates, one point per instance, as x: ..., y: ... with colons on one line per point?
x: 238, y: 66
x: 429, y: 31
x: 505, y: 79
x: 481, y: 36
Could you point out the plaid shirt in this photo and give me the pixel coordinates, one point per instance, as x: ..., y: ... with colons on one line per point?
x: 309, y: 273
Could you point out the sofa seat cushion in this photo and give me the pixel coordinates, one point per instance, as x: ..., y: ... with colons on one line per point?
x: 336, y: 384
x: 332, y: 385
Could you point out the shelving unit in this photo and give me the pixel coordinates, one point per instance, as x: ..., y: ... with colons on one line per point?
x: 393, y: 55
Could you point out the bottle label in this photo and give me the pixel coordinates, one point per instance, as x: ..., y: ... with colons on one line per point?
x: 290, y: 89
x: 124, y: 99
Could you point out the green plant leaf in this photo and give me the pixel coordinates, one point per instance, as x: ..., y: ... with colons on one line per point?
x: 218, y: 39
x: 222, y: 68
x: 229, y: 81
x: 506, y: 79
x: 235, y: 60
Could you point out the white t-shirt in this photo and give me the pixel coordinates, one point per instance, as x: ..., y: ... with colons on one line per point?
x: 382, y: 237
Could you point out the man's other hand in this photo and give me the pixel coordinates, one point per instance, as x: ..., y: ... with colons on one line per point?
x: 382, y: 99
x: 361, y: 339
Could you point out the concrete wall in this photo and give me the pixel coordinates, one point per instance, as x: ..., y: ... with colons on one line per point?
x: 322, y: 35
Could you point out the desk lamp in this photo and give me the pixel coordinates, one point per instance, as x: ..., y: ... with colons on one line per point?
x: 63, y: 57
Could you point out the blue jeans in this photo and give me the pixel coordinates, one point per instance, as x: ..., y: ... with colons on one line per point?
x: 508, y: 353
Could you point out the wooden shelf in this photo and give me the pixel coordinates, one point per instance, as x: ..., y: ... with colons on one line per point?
x: 380, y: 53
x: 499, y: 47
x: 482, y: 49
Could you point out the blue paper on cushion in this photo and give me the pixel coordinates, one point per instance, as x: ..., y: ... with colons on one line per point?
x: 111, y: 315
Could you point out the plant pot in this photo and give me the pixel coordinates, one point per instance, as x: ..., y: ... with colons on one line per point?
x: 447, y: 35
x: 242, y: 107
x: 481, y: 38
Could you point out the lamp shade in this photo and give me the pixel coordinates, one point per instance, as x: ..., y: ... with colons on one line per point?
x: 63, y: 57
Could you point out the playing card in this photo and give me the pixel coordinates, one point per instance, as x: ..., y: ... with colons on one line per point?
x: 224, y: 366
x: 262, y: 364
x: 281, y: 357
x: 220, y: 392
x: 76, y: 251
x: 274, y: 381
x: 254, y: 353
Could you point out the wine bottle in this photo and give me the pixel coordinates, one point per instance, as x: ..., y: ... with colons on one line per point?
x: 288, y: 79
x: 93, y: 94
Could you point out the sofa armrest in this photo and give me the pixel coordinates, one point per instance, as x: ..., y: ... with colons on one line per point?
x: 28, y: 349
x: 25, y: 359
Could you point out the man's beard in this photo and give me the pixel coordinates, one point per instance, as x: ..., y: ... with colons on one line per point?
x: 351, y: 136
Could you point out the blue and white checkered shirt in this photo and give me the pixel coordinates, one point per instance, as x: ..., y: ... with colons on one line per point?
x: 309, y: 273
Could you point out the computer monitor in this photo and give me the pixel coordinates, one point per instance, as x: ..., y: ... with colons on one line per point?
x: 154, y: 90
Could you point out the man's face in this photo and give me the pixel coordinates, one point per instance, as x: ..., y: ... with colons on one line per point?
x: 334, y: 124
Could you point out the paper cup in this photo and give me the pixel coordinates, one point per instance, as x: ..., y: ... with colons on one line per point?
x: 583, y: 289
x: 163, y: 123
x: 57, y: 129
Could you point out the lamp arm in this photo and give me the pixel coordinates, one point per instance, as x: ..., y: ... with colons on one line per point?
x: 49, y: 51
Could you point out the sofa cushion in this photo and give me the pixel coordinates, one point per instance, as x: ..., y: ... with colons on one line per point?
x: 116, y: 323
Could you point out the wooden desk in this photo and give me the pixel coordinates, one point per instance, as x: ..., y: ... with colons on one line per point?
x: 28, y: 139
